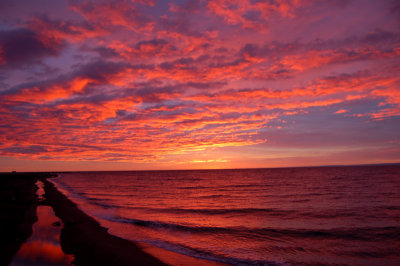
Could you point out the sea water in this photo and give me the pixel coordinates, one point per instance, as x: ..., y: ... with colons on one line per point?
x: 318, y: 215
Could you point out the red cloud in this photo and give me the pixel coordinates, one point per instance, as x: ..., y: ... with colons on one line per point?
x: 240, y: 11
x: 22, y: 47
x: 113, y: 13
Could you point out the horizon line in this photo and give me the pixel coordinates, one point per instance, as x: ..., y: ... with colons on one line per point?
x: 211, y: 169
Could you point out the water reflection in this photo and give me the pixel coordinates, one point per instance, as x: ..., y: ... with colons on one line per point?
x: 43, y: 247
x: 40, y: 192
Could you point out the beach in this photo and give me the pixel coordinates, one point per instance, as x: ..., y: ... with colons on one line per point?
x: 81, y: 236
x: 294, y: 216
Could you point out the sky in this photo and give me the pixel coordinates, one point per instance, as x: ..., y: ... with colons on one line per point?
x: 194, y: 84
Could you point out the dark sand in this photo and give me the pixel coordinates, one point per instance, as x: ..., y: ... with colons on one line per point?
x: 89, y: 242
x: 18, y: 203
x: 81, y: 236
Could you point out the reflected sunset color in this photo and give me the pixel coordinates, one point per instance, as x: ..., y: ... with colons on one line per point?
x: 187, y: 84
x: 43, y: 247
x: 290, y: 216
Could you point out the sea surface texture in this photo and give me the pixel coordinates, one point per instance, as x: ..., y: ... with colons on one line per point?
x: 324, y: 215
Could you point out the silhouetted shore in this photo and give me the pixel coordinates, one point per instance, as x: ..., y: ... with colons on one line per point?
x: 18, y: 203
x: 81, y: 236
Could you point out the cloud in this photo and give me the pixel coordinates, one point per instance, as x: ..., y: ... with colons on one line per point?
x: 147, y: 81
x: 146, y: 49
x: 108, y: 14
x: 253, y: 14
x: 82, y: 78
x: 65, y: 30
x: 22, y: 47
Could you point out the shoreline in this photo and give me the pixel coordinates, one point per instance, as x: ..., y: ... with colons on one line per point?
x: 87, y: 240
x: 81, y: 236
x: 166, y: 257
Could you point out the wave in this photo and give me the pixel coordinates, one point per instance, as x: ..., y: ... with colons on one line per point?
x: 244, y: 211
x: 221, y: 211
x: 202, y: 254
x: 265, y: 212
x: 107, y: 203
x: 365, y: 233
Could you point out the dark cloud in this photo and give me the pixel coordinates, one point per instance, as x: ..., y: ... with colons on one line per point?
x: 18, y: 149
x: 157, y: 94
x: 113, y: 13
x: 189, y: 6
x: 395, y: 9
x: 181, y: 63
x: 100, y: 71
x: 64, y: 29
x: 180, y: 24
x: 205, y: 85
x: 316, y: 130
x: 153, y: 42
x: 154, y: 47
x: 22, y: 46
x: 104, y: 51
x: 380, y: 36
x: 271, y: 49
x: 253, y: 16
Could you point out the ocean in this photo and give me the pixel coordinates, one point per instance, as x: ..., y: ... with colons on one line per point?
x: 285, y: 216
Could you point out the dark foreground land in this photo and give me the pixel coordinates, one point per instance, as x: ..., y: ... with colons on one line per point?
x: 18, y: 203
x: 81, y: 236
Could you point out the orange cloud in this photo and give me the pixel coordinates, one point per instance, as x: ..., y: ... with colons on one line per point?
x: 236, y: 11
x: 38, y: 94
x: 341, y: 111
x: 315, y: 58
x: 115, y: 13
x: 65, y: 30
